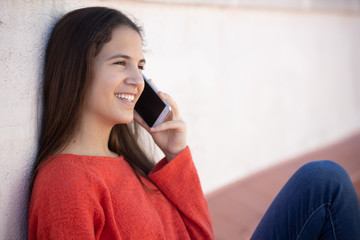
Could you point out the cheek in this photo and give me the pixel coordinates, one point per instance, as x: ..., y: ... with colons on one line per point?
x: 99, y: 92
x: 105, y: 83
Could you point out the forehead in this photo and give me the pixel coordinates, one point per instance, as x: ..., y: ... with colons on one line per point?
x: 124, y: 40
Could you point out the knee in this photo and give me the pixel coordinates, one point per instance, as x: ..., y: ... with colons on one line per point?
x: 324, y: 171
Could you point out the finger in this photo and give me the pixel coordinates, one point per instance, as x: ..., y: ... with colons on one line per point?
x: 176, y: 124
x: 172, y: 103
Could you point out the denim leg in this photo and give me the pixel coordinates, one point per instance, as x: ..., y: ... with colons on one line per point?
x: 318, y: 202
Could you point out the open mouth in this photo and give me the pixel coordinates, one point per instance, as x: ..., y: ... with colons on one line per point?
x: 126, y: 97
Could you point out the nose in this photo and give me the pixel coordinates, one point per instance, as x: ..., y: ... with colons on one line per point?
x: 135, y: 78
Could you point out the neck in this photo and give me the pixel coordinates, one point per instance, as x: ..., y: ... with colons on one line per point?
x: 91, y: 139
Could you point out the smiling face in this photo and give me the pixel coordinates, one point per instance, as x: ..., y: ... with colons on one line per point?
x: 117, y: 80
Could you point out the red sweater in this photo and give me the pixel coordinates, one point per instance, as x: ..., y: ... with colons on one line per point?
x: 88, y: 197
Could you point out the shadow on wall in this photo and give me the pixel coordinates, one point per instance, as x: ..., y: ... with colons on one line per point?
x: 16, y: 224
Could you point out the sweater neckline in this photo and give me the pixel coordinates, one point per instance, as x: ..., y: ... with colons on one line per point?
x: 72, y: 155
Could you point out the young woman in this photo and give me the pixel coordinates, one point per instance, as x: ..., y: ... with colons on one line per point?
x: 92, y: 179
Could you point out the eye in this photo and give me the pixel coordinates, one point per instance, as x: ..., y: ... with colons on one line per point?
x: 123, y: 63
x: 141, y: 67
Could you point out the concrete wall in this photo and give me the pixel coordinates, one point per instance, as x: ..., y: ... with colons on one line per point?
x: 255, y: 86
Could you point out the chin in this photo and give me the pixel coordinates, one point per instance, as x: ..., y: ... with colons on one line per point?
x: 125, y: 119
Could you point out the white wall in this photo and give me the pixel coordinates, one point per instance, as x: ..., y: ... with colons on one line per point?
x: 255, y: 87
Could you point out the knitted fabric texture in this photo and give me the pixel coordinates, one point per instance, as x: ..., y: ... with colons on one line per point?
x: 88, y: 197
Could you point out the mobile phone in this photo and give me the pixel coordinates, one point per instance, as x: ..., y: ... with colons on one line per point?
x: 150, y: 107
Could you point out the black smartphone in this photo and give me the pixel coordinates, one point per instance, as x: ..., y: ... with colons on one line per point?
x: 150, y: 107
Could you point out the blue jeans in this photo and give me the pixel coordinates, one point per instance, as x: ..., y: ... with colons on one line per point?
x: 318, y: 202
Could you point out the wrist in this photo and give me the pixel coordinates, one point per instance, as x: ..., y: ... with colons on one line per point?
x: 170, y: 156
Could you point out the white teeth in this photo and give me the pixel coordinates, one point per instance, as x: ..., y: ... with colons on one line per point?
x: 127, y: 97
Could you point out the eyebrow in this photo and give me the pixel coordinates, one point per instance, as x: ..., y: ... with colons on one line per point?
x: 124, y: 56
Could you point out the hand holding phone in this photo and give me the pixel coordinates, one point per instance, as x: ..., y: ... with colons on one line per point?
x: 169, y: 135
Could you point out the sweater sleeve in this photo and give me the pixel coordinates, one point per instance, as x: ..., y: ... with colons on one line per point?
x: 64, y: 205
x: 179, y: 182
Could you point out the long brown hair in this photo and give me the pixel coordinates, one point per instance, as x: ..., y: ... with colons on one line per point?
x: 75, y: 40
